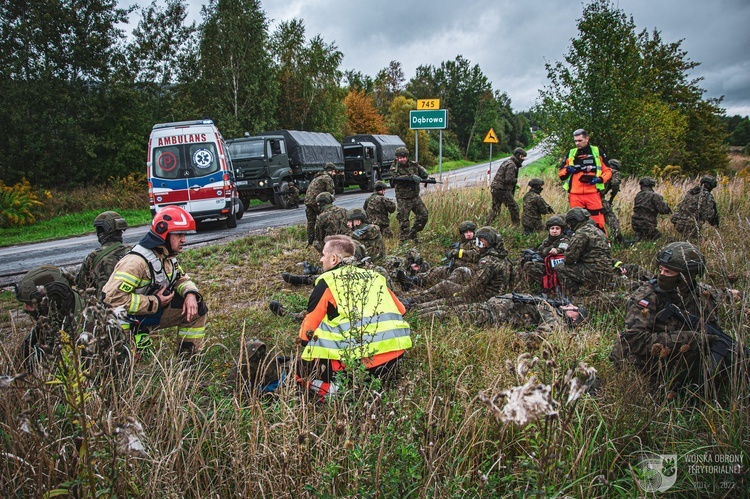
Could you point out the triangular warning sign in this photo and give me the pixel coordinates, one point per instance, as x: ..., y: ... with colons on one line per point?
x: 491, y: 137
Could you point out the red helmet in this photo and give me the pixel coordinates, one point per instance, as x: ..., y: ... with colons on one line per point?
x: 172, y: 220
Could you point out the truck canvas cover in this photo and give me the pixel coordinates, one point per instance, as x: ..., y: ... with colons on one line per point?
x: 310, y: 148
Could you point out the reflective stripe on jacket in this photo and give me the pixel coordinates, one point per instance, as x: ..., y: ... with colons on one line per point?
x: 597, y: 161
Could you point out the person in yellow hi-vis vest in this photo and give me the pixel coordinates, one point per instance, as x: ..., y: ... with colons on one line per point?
x: 584, y: 175
x: 351, y: 315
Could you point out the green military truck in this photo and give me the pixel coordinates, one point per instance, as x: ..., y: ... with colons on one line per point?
x: 267, y: 164
x: 368, y: 158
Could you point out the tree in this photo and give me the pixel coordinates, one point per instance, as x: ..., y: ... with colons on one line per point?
x: 237, y: 81
x: 741, y: 133
x: 361, y: 115
x: 398, y: 124
x: 389, y: 83
x: 633, y: 94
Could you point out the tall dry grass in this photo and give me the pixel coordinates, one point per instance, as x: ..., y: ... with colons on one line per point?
x: 427, y: 434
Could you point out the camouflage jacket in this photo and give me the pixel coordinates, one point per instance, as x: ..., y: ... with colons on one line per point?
x: 406, y: 187
x: 494, y: 275
x: 589, y: 247
x: 330, y: 222
x: 534, y: 206
x: 560, y: 242
x: 647, y: 205
x: 378, y: 207
x: 369, y: 236
x: 654, y: 337
x: 507, y: 175
x: 613, y: 186
x: 99, y: 265
x: 468, y: 254
x: 697, y: 206
x: 321, y: 182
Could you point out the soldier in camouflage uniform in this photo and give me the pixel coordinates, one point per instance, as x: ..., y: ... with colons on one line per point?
x: 367, y: 234
x: 378, y: 208
x: 659, y: 339
x: 494, y: 275
x: 99, y: 264
x: 648, y: 204
x: 697, y: 206
x: 321, y: 182
x: 555, y: 244
x: 534, y: 206
x: 588, y: 261
x: 523, y: 311
x: 612, y: 186
x: 407, y: 176
x: 331, y: 220
x: 504, y: 186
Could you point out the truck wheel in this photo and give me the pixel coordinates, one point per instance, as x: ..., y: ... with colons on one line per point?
x: 338, y: 188
x: 281, y: 196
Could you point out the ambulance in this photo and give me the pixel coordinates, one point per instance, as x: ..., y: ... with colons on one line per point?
x: 188, y: 166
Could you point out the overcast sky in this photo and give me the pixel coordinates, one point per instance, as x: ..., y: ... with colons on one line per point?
x: 511, y: 40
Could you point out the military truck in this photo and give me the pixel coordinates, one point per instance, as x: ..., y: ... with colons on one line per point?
x: 368, y: 158
x: 267, y: 164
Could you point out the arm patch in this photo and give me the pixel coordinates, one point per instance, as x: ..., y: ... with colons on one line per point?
x: 126, y: 288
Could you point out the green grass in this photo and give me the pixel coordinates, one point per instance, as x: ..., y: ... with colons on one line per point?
x: 73, y: 224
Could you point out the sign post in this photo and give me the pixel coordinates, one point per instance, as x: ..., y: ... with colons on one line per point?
x: 436, y: 119
x: 491, y: 138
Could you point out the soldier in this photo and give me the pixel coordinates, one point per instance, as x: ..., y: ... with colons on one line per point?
x: 99, y: 264
x: 150, y: 285
x: 588, y: 261
x: 407, y: 176
x: 504, y: 186
x: 612, y: 187
x: 671, y: 331
x: 534, y: 206
x: 378, y: 207
x: 697, y: 206
x: 366, y: 234
x: 648, y: 204
x: 584, y: 174
x: 321, y: 182
x: 494, y: 274
x: 331, y: 220
x: 549, y: 252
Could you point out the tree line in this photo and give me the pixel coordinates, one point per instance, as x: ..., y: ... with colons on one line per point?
x: 79, y: 97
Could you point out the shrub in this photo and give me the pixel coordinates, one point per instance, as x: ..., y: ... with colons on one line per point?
x: 17, y: 204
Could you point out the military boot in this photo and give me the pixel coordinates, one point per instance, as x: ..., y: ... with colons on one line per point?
x: 280, y: 310
x: 309, y: 269
x: 296, y: 279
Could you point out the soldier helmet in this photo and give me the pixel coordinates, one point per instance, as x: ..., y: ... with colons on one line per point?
x: 329, y: 167
x: 380, y: 185
x: 709, y: 181
x: 614, y: 163
x: 51, y: 282
x: 576, y: 216
x: 536, y: 183
x: 357, y: 214
x: 684, y: 258
x: 27, y: 288
x: 324, y: 198
x: 519, y: 151
x: 466, y: 225
x: 414, y: 256
x: 647, y: 182
x: 489, y: 234
x: 402, y: 151
x: 555, y: 221
x: 109, y: 226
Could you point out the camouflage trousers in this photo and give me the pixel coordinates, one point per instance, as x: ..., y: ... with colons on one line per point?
x: 500, y: 198
x: 573, y: 277
x: 611, y: 219
x: 689, y: 229
x: 311, y: 212
x: 645, y: 231
x: 673, y: 356
x: 404, y: 208
x: 533, y: 272
x: 385, y: 230
x: 459, y: 275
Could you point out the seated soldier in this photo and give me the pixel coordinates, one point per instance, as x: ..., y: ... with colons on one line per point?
x: 351, y: 315
x: 549, y: 253
x: 378, y: 208
x: 534, y: 206
x: 99, y: 264
x: 646, y: 207
x: 672, y: 332
x: 588, y: 261
x: 331, y: 220
x: 367, y: 234
x: 494, y: 275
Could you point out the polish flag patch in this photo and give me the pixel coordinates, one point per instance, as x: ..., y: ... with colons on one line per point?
x: 643, y: 303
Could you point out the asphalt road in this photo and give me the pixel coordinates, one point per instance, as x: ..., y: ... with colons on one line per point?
x: 69, y: 253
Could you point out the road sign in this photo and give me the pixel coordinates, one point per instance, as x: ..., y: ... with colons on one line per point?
x: 491, y: 138
x: 428, y: 103
x: 428, y: 120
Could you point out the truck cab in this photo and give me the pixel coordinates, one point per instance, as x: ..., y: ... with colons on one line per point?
x: 261, y: 166
x: 360, y: 165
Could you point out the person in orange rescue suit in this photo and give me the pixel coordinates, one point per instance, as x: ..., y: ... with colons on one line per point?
x: 150, y: 285
x: 584, y: 174
x: 351, y: 314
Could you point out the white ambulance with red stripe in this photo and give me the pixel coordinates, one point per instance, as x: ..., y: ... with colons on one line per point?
x: 188, y: 166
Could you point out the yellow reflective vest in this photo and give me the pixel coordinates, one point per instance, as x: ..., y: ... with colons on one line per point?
x: 368, y: 324
x: 597, y: 161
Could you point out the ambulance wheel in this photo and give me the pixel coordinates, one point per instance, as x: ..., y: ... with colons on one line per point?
x: 232, y: 221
